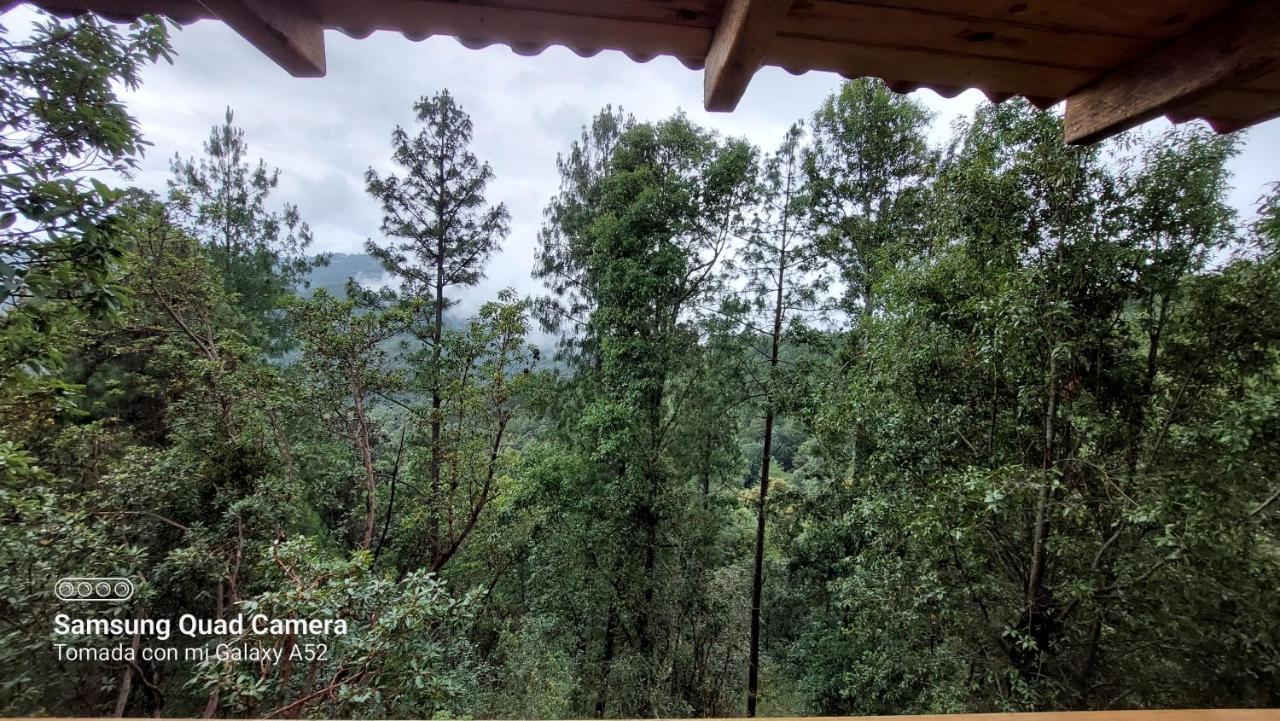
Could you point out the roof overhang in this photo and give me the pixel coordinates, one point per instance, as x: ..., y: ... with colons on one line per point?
x: 1116, y: 63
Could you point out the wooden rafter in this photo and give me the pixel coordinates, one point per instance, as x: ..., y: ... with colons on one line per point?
x: 1232, y: 49
x: 746, y: 28
x: 287, y: 31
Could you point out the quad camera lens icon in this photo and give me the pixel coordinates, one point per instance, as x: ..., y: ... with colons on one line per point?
x: 110, y: 590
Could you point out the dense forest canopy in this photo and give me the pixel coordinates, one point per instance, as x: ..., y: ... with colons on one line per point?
x: 856, y: 424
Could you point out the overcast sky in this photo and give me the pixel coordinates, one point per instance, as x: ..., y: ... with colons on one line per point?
x: 324, y: 133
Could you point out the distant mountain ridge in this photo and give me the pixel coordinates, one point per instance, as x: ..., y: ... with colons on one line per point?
x: 342, y: 266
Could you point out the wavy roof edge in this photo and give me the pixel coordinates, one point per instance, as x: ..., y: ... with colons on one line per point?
x: 1115, y: 65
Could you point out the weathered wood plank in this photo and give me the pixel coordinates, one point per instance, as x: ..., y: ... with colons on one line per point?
x: 746, y: 28
x: 287, y: 31
x: 180, y: 11
x: 964, y: 36
x: 1238, y: 105
x: 1132, y: 18
x: 698, y: 13
x: 1267, y: 83
x: 1231, y: 49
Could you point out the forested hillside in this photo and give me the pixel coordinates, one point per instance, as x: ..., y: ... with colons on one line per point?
x: 855, y: 424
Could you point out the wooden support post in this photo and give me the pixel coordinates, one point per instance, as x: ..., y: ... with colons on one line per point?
x: 744, y: 33
x: 287, y: 31
x: 1240, y: 44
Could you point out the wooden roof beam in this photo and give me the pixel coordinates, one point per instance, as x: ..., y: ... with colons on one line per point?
x: 1238, y: 45
x: 746, y: 28
x: 287, y: 31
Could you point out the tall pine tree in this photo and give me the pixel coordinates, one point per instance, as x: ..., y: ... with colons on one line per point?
x: 261, y: 253
x: 442, y: 233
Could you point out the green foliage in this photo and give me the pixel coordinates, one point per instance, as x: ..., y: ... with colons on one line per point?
x: 62, y: 122
x: 564, y: 241
x: 869, y: 170
x: 405, y: 652
x: 1034, y: 488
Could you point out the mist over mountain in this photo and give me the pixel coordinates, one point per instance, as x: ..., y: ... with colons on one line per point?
x: 369, y: 273
x: 333, y: 277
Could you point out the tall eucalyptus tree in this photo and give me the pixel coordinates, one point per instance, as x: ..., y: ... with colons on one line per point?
x: 869, y: 168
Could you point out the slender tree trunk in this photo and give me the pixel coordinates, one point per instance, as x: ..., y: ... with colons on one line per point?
x: 706, y: 467
x: 649, y: 519
x: 606, y: 661
x: 437, y: 332
x: 126, y: 680
x: 391, y: 500
x: 644, y: 626
x: 1040, y: 534
x: 868, y: 310
x: 211, y: 706
x: 1138, y: 421
x: 757, y: 577
x: 370, y: 475
x: 454, y: 542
